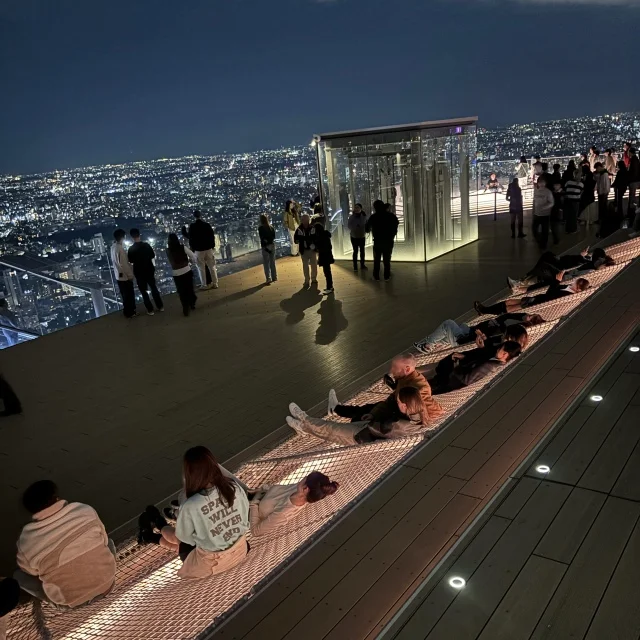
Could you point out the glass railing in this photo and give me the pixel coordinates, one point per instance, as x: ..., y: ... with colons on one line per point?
x: 43, y: 295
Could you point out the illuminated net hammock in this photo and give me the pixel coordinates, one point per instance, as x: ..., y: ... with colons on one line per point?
x: 149, y: 601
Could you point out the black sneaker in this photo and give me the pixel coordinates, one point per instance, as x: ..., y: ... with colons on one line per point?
x: 170, y: 514
x: 355, y: 267
x: 364, y: 267
x: 156, y: 518
x: 146, y: 535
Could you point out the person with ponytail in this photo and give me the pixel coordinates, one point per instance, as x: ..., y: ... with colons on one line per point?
x: 403, y: 414
x: 214, y: 519
x: 273, y: 506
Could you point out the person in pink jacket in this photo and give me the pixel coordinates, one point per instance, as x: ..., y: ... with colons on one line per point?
x: 64, y: 553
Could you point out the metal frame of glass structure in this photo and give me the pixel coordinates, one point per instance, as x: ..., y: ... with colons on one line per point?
x: 424, y: 170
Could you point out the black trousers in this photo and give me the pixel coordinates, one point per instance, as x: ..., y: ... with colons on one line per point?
x: 540, y: 229
x: 186, y: 293
x: 620, y: 200
x: 328, y: 275
x: 382, y: 251
x: 603, y: 201
x: 516, y: 216
x: 358, y: 244
x: 352, y: 412
x: 128, y: 297
x: 145, y: 282
x: 570, y: 215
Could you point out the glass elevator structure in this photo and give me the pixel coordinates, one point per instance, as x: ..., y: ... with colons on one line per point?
x: 425, y: 171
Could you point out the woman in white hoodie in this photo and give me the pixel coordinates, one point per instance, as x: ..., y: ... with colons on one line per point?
x: 542, y: 205
x: 214, y: 519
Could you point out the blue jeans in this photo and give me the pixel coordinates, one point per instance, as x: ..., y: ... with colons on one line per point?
x: 447, y: 334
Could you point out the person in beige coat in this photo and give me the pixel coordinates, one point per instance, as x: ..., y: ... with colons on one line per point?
x: 64, y: 553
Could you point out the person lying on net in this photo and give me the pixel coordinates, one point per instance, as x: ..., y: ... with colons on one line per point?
x: 402, y: 373
x: 555, y: 291
x: 407, y: 416
x: 460, y: 369
x: 271, y: 507
x: 487, y: 348
x: 549, y: 265
x: 451, y: 334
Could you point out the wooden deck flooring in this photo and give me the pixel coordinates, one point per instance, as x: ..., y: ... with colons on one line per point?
x: 556, y: 557
x: 110, y: 406
x: 353, y: 581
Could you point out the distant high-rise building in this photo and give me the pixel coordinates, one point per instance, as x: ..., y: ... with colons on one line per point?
x: 98, y: 244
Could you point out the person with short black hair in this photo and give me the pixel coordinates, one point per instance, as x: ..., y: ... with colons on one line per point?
x: 466, y: 371
x: 357, y: 224
x: 202, y: 240
x: 124, y: 273
x: 267, y: 236
x: 555, y: 291
x: 271, y: 507
x: 64, y: 553
x: 180, y: 257
x: 383, y: 224
x: 141, y: 256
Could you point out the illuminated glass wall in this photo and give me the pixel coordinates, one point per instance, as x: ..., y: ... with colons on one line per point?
x: 423, y: 171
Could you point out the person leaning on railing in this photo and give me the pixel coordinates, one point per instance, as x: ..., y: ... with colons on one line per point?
x: 267, y: 236
x: 271, y: 507
x: 291, y: 220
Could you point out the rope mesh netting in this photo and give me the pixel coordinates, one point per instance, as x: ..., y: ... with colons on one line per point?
x: 149, y: 601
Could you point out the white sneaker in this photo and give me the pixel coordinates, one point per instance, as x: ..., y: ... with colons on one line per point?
x: 150, y: 313
x: 423, y: 347
x: 513, y: 284
x: 215, y: 286
x: 296, y: 411
x: 326, y: 292
x: 297, y: 426
x: 332, y: 402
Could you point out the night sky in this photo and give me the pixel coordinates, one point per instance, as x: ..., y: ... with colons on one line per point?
x: 95, y: 81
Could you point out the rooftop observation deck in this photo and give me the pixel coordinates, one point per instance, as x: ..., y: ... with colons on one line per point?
x: 111, y: 406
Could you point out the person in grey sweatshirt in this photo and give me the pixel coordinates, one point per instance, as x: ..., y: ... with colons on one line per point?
x: 357, y: 227
x: 542, y: 205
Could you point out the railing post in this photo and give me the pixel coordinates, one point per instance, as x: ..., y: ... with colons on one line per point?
x: 495, y: 206
x: 97, y: 297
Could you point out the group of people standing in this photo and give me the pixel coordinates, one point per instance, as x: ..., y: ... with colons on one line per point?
x: 311, y: 240
x: 562, y: 196
x: 138, y: 263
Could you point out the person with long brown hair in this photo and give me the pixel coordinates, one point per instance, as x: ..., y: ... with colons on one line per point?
x: 214, y: 519
x: 407, y: 416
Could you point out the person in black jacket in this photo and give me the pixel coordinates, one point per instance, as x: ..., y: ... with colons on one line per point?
x: 268, y: 245
x: 462, y: 369
x: 141, y: 256
x: 516, y: 208
x: 202, y: 241
x: 383, y: 225
x: 555, y: 291
x: 325, y: 255
x: 620, y: 186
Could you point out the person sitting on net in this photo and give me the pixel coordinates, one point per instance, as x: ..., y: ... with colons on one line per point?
x: 213, y: 521
x: 461, y: 370
x: 64, y: 553
x: 402, y: 373
x: 451, y: 334
x: 493, y: 184
x: 271, y: 507
x: 549, y: 265
x: 406, y: 416
x: 555, y: 291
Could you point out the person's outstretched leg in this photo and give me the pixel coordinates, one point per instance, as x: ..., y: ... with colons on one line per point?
x: 304, y: 257
x: 157, y: 299
x: 386, y: 257
x: 354, y: 246
x: 336, y: 432
x: 210, y: 258
x: 313, y: 261
x: 377, y: 256
x: 361, y: 242
x: 491, y: 309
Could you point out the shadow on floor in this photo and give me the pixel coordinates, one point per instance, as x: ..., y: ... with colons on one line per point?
x: 332, y: 320
x: 234, y: 297
x: 296, y: 305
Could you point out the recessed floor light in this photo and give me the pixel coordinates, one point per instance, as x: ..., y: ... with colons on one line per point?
x: 634, y: 349
x: 543, y: 468
x: 596, y: 398
x: 457, y: 582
